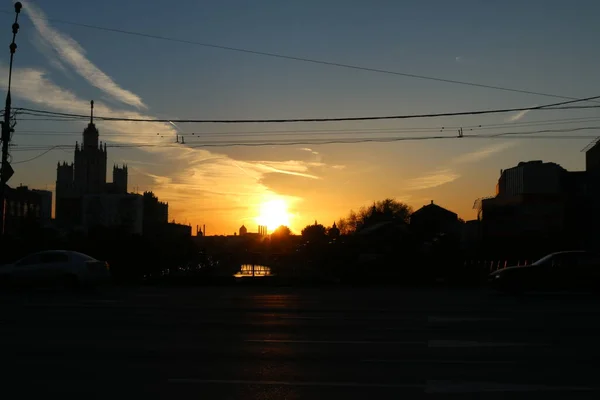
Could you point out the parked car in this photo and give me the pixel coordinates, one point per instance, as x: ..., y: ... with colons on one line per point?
x: 56, y: 267
x: 557, y: 271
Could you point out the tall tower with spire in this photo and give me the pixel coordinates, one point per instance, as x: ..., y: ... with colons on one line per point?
x: 90, y: 160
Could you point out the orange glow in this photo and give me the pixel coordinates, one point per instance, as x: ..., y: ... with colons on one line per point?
x: 273, y: 213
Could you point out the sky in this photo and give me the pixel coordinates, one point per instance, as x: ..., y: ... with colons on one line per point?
x: 538, y: 45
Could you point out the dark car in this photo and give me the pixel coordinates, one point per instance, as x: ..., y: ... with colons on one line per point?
x: 565, y: 270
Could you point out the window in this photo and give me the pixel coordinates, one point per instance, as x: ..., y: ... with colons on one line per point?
x: 565, y: 260
x: 589, y: 260
x: 48, y: 258
x: 29, y: 260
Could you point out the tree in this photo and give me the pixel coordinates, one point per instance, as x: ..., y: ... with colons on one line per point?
x: 282, y: 232
x: 314, y: 233
x: 386, y: 210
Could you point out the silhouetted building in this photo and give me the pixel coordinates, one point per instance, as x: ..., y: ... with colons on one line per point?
x: 333, y: 232
x: 176, y: 231
x: 119, y: 183
x: 243, y: 230
x: 155, y: 211
x: 531, y: 177
x: 86, y: 176
x: 471, y: 234
x: 540, y: 205
x: 122, y: 211
x: 26, y: 210
x: 262, y: 230
x: 592, y: 157
x: 68, y: 197
x: 431, y: 220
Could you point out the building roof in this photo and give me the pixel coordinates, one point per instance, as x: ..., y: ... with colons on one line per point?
x: 431, y: 207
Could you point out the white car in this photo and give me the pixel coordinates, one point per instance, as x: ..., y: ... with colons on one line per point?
x: 66, y: 268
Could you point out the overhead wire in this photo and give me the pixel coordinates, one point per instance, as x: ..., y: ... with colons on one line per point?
x: 554, y: 106
x: 296, y: 58
x: 261, y: 133
x: 288, y: 142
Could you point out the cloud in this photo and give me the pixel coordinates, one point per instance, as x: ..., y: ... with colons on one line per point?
x: 483, y: 153
x: 198, y: 179
x: 309, y: 150
x: 431, y: 180
x: 43, y: 47
x: 517, y: 116
x: 203, y: 179
x: 448, y: 174
x: 71, y: 53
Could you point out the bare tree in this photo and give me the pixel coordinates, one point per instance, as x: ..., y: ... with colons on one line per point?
x: 383, y: 210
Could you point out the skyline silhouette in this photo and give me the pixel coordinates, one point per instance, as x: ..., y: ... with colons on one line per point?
x: 58, y: 66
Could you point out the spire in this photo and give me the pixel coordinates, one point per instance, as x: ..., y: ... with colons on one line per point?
x: 334, y: 225
x: 92, y: 112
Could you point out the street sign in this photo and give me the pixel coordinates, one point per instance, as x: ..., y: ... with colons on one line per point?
x: 7, y: 172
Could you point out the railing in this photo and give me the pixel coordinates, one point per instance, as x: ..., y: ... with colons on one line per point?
x: 495, y: 265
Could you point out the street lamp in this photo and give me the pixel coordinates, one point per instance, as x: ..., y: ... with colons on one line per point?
x: 6, y: 170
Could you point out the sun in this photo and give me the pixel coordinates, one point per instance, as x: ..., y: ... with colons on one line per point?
x: 273, y: 213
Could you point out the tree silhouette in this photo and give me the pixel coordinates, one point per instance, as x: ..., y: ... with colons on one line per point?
x: 282, y: 232
x: 386, y: 210
x: 314, y: 233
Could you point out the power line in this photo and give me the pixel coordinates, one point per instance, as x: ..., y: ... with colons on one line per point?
x: 290, y: 142
x: 584, y: 128
x: 301, y: 59
x: 36, y: 157
x: 554, y: 106
x: 431, y: 129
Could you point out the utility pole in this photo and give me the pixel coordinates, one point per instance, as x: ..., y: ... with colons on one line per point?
x: 6, y: 170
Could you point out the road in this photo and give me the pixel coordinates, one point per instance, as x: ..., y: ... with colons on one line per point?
x: 298, y: 343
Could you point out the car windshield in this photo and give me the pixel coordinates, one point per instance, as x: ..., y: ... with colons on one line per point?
x: 84, y: 257
x: 544, y: 260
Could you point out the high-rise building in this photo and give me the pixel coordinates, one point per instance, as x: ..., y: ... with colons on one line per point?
x: 86, y: 176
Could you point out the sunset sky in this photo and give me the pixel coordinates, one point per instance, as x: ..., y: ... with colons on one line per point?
x: 539, y: 45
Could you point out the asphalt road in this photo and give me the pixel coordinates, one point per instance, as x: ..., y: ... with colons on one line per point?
x: 298, y: 343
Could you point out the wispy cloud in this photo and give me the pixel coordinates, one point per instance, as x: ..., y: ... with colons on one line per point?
x: 309, y: 150
x: 517, y: 116
x: 449, y: 174
x: 204, y: 179
x: 70, y: 52
x: 482, y: 153
x: 43, y: 47
x: 432, y: 179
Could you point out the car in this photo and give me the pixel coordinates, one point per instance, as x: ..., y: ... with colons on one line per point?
x: 564, y: 270
x: 56, y: 267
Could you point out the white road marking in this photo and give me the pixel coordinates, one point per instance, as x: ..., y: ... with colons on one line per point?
x: 102, y: 302
x: 298, y: 383
x: 451, y: 362
x: 435, y: 319
x: 461, y: 343
x: 329, y: 341
x: 348, y: 318
x: 479, y: 387
x: 430, y: 387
